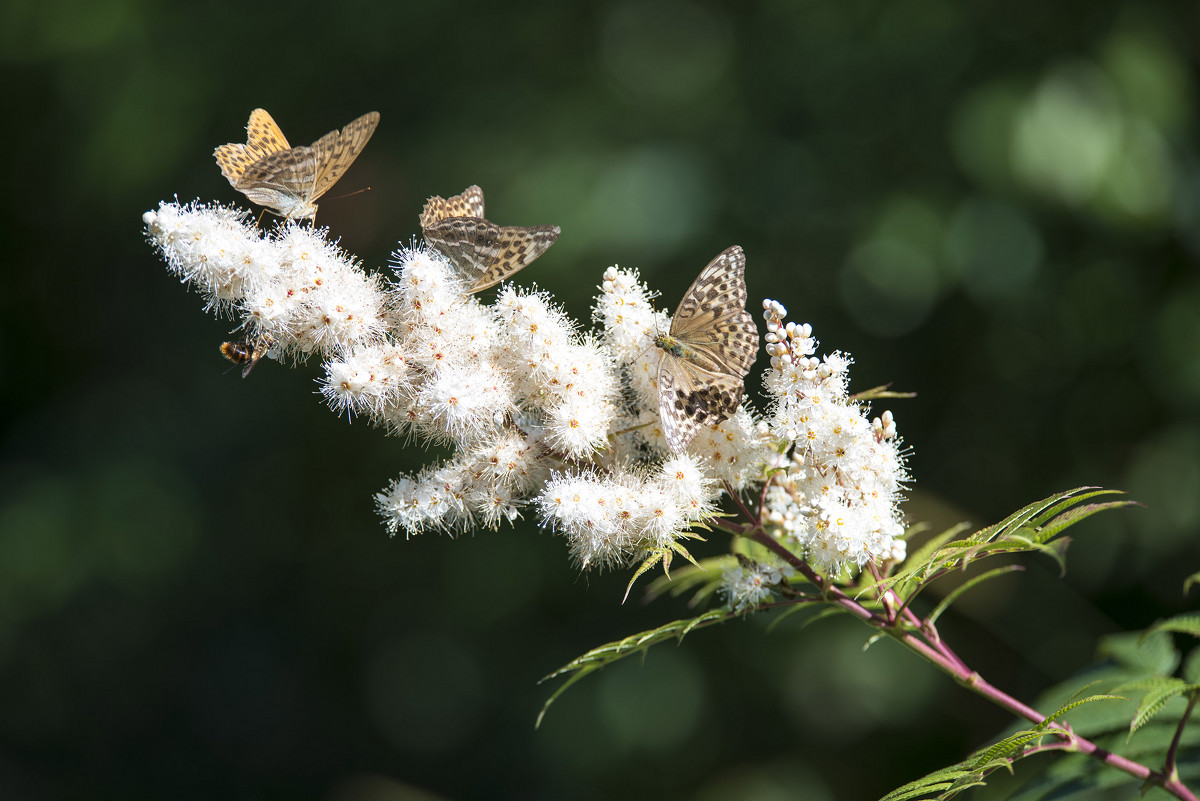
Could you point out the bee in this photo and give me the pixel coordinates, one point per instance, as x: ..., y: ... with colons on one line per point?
x: 245, y: 352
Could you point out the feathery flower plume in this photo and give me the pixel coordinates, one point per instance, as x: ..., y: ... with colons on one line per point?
x: 545, y: 419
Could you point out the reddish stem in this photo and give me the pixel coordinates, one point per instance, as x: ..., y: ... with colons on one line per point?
x: 935, y: 650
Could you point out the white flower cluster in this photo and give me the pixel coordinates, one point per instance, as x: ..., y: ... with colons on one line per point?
x: 539, y: 414
x: 838, y: 497
x: 747, y: 584
x: 293, y: 289
x: 613, y: 518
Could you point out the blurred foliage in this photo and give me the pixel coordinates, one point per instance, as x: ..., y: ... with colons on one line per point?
x: 994, y: 205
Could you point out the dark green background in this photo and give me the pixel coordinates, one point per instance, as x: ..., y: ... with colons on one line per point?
x: 996, y: 205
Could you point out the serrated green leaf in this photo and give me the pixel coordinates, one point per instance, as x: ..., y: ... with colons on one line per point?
x: 1184, y: 624
x: 934, y: 782
x: 1011, y: 746
x: 1069, y: 518
x: 1153, y: 702
x: 958, y: 591
x: 1144, y: 683
x: 609, y: 653
x: 664, y: 555
x: 1062, y: 710
x: 931, y: 546
x: 1035, y: 527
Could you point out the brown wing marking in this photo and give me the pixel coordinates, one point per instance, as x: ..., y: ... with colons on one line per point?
x: 711, y: 398
x: 467, y: 204
x: 517, y: 247
x: 336, y: 151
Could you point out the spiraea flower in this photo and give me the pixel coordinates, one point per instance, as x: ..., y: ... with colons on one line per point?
x: 546, y: 420
x: 748, y: 584
x: 838, y: 496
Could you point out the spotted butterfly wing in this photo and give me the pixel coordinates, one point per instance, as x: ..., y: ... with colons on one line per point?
x: 288, y: 180
x: 336, y: 151
x: 467, y: 204
x: 263, y: 137
x: 708, y: 352
x: 483, y: 251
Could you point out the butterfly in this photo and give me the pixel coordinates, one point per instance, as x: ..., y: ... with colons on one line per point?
x: 483, y: 251
x: 711, y: 345
x: 287, y: 179
x: 245, y: 352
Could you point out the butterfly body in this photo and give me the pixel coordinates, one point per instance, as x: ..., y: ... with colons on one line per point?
x: 708, y: 352
x: 288, y: 180
x: 482, y: 251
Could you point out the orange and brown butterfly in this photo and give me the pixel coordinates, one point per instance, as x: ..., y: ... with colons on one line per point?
x: 245, y: 352
x: 484, y: 252
x: 285, y: 179
x: 708, y: 351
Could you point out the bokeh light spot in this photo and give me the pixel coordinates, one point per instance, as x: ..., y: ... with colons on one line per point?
x: 664, y: 52
x: 994, y: 248
x: 888, y: 286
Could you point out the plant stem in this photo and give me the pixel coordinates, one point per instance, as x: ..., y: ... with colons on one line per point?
x: 1169, y: 767
x: 937, y: 652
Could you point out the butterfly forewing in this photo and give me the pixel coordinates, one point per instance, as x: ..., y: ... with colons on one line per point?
x: 484, y: 252
x: 516, y: 247
x: 337, y: 151
x: 263, y: 134
x: 287, y: 179
x: 711, y: 347
x: 262, y: 137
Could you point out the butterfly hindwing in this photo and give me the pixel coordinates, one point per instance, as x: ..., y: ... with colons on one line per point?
x: 710, y: 349
x: 691, y: 397
x: 467, y: 204
x: 484, y: 252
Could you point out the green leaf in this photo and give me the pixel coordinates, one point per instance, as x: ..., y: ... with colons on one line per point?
x: 1028, y: 529
x: 1154, y: 700
x: 1184, y: 624
x: 1012, y: 746
x: 608, y: 653
x: 937, y: 782
x: 1062, y: 710
x: 1052, y: 528
x: 662, y: 555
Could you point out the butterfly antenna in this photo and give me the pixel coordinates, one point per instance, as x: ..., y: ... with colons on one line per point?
x: 355, y: 192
